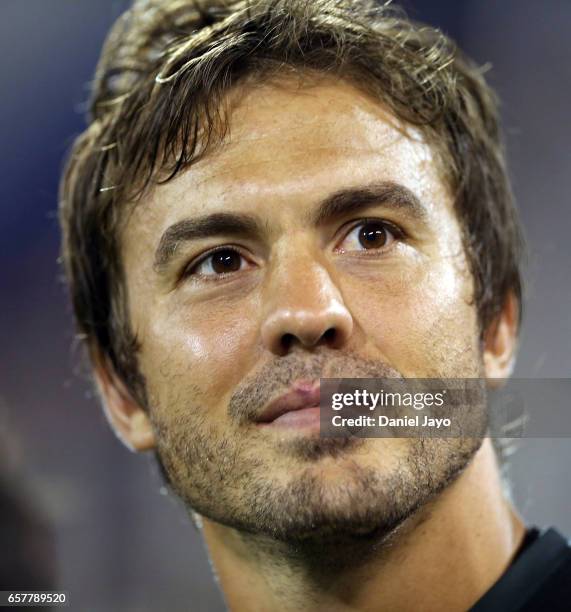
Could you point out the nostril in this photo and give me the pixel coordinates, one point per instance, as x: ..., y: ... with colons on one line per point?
x: 287, y: 340
x: 330, y: 335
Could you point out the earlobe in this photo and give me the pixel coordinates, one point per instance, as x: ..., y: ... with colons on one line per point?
x: 128, y: 419
x: 500, y: 340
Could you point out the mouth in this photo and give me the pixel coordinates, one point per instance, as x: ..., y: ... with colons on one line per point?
x: 296, y: 409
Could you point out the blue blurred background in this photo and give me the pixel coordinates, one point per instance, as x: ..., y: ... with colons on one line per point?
x: 119, y: 542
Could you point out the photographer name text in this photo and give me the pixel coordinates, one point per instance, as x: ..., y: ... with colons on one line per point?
x: 385, y: 421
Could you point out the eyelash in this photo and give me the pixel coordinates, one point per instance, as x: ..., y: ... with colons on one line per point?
x: 189, y: 270
x: 397, y: 233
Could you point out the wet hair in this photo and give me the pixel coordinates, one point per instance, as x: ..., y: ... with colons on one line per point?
x: 158, y: 105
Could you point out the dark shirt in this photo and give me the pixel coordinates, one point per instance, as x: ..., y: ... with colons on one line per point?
x: 538, y: 580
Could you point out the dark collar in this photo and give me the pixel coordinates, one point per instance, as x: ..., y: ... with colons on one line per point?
x: 531, y: 568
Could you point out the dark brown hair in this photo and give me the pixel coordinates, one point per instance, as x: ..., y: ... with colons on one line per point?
x: 158, y: 105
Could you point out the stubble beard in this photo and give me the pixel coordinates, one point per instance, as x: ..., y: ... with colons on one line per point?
x: 238, y: 479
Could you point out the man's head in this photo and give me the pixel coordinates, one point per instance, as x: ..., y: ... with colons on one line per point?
x: 274, y: 191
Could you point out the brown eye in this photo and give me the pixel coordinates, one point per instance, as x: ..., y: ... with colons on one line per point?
x: 219, y: 262
x: 370, y: 236
x: 226, y: 261
x: 373, y: 236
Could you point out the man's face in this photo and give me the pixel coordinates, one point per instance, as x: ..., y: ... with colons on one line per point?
x: 376, y: 285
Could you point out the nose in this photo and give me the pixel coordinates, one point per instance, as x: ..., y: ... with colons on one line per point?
x: 306, y: 308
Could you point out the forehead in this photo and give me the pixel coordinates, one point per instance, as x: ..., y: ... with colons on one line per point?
x: 289, y: 144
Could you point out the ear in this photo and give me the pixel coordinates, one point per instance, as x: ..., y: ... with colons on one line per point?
x: 127, y: 418
x: 500, y: 340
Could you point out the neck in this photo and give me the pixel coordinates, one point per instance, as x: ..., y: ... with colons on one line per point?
x: 446, y: 556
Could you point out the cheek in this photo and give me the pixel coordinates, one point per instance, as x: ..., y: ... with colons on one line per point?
x: 420, y: 318
x: 189, y: 348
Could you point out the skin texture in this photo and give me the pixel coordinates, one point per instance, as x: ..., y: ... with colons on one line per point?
x: 283, y: 510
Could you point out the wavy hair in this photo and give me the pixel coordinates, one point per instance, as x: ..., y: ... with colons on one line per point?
x: 158, y: 105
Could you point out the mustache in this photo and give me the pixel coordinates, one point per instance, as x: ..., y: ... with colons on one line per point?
x: 276, y: 378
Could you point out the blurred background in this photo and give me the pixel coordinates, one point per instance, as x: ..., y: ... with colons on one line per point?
x: 103, y: 529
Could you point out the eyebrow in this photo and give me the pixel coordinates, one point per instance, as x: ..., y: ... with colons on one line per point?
x: 343, y: 202
x: 216, y: 224
x: 351, y: 201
